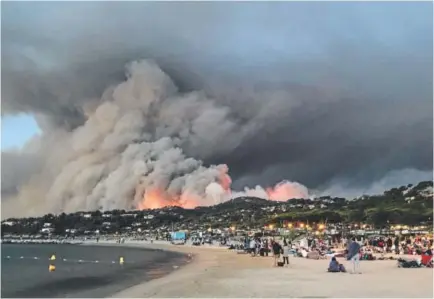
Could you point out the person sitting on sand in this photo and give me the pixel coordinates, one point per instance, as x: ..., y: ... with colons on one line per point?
x: 334, y: 266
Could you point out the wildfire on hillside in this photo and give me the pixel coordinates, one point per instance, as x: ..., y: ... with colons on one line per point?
x: 156, y: 198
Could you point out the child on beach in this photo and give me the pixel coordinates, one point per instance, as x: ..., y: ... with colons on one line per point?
x: 286, y: 249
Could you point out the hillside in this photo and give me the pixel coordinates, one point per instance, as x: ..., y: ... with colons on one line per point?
x: 405, y: 205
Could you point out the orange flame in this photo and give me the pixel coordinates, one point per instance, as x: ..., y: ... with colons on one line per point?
x: 156, y: 198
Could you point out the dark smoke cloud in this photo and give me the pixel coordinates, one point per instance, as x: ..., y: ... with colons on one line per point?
x: 338, y: 93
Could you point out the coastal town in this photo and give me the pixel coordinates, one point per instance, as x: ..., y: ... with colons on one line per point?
x: 405, y: 211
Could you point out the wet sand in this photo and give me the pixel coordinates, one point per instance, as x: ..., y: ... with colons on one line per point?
x: 218, y: 272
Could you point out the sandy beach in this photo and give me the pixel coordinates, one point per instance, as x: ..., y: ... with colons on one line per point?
x: 218, y: 272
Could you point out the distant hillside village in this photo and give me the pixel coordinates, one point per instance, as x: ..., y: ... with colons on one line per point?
x: 404, y: 208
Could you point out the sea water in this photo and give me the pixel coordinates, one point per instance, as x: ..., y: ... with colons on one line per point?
x: 80, y: 271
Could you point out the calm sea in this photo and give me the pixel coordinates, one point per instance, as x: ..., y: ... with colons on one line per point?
x: 81, y: 271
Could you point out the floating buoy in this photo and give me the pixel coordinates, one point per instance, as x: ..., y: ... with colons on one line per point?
x: 51, y: 268
x: 121, y: 260
x: 53, y: 258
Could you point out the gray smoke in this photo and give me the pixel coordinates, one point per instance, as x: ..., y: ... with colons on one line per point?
x: 337, y: 96
x: 131, y: 145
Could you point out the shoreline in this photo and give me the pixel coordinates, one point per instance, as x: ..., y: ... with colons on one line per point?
x: 201, y: 260
x: 196, y: 259
x: 219, y: 272
x: 81, y: 271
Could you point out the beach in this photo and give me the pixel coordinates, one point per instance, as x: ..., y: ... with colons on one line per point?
x: 218, y: 272
x: 161, y: 270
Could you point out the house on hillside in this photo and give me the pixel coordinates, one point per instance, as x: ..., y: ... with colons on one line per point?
x: 47, y: 230
x: 9, y: 223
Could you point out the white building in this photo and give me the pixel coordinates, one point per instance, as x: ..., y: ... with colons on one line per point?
x: 8, y: 223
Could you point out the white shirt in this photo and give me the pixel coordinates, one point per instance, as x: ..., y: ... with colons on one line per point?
x: 252, y: 244
x: 285, y: 250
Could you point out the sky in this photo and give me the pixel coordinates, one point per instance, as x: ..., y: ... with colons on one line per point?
x: 339, y: 93
x: 16, y: 130
x: 375, y: 21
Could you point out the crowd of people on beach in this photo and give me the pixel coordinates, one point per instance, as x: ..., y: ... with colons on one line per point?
x: 400, y: 245
x: 265, y: 246
x: 352, y: 249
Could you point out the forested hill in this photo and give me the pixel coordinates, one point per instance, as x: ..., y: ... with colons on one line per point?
x: 405, y: 205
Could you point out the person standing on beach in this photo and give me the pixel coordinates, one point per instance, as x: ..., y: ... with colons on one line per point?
x: 354, y: 255
x: 344, y: 242
x: 396, y: 243
x: 389, y: 244
x: 285, y: 253
x: 252, y: 247
x: 277, y: 249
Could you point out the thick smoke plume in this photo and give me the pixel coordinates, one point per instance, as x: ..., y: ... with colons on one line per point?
x: 335, y: 95
x: 129, y: 153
